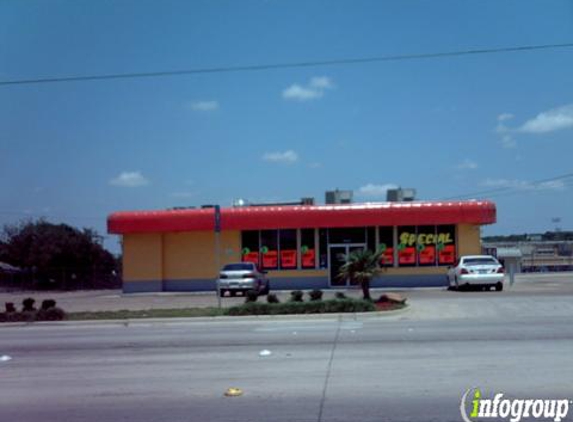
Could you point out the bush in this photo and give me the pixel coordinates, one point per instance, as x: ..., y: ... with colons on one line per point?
x: 28, y: 305
x: 27, y: 316
x: 3, y: 317
x: 47, y: 304
x: 55, y: 314
x: 315, y: 295
x: 251, y: 296
x: 296, y: 296
x: 51, y: 314
x: 272, y: 298
x: 10, y: 307
x: 340, y: 295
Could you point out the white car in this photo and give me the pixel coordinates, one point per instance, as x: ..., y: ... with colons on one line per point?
x: 476, y: 270
x: 242, y: 277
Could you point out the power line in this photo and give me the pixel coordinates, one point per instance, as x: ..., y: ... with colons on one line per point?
x: 273, y: 66
x: 508, y: 189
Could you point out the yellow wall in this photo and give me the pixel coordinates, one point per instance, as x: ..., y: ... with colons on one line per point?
x: 469, y: 242
x: 192, y: 254
x: 142, y: 257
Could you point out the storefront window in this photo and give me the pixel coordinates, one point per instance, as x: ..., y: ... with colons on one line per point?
x: 407, y: 240
x: 307, y: 248
x: 386, y: 244
x: 347, y: 235
x: 446, y: 244
x: 269, y: 249
x: 426, y: 246
x: 371, y: 238
x: 287, y: 246
x: 250, y: 242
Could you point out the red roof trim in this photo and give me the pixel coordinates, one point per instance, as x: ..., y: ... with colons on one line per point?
x: 274, y: 217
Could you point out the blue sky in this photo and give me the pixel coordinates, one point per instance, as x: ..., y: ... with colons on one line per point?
x: 77, y: 151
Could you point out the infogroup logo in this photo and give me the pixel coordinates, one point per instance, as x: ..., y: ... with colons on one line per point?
x: 474, y: 407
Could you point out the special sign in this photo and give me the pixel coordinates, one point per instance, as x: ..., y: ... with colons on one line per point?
x: 410, y: 239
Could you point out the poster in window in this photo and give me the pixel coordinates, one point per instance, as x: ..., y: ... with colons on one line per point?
x: 388, y: 257
x: 407, y: 255
x: 427, y: 255
x: 270, y: 259
x: 251, y: 257
x: 446, y: 254
x: 308, y: 258
x: 288, y: 258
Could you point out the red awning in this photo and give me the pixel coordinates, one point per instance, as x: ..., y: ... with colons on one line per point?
x: 291, y: 217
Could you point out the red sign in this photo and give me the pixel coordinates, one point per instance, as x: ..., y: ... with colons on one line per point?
x: 447, y: 255
x: 308, y: 259
x: 288, y: 258
x: 427, y: 255
x: 251, y: 257
x: 407, y: 256
x: 388, y: 257
x: 270, y: 259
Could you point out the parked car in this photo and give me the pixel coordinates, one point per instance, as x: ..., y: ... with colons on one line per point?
x: 476, y: 270
x: 242, y: 277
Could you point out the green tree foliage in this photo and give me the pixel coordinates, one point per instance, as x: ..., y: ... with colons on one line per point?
x: 56, y: 255
x: 361, y: 266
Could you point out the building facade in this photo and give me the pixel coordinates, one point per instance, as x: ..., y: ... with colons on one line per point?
x: 301, y: 247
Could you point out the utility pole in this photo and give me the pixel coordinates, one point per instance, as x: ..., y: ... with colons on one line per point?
x: 218, y: 252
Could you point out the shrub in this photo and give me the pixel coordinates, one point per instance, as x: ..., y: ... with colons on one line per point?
x: 47, y: 304
x: 315, y: 295
x: 54, y: 314
x: 10, y: 307
x: 296, y: 296
x: 28, y: 305
x: 340, y: 295
x: 3, y: 317
x: 272, y: 298
x: 251, y: 296
x: 27, y: 316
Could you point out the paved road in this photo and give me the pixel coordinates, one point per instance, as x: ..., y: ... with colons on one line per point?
x: 411, y: 366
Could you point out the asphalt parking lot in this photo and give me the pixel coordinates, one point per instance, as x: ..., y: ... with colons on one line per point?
x: 554, y: 290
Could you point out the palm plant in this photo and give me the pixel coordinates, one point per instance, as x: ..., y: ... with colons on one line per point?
x: 362, y: 266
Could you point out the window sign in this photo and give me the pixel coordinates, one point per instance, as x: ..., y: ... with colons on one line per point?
x: 407, y: 246
x: 308, y: 257
x: 386, y: 245
x: 249, y: 256
x: 426, y: 245
x: 307, y: 248
x: 445, y: 243
x: 288, y: 258
x: 269, y: 249
x: 250, y: 242
x: 287, y: 247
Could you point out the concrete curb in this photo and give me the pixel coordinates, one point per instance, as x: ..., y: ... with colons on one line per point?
x: 222, y: 318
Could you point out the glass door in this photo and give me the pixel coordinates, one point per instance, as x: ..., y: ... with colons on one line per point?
x: 338, y: 254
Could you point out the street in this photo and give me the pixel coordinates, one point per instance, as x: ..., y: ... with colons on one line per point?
x: 413, y: 365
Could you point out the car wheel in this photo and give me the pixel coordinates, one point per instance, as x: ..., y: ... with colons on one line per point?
x: 499, y: 287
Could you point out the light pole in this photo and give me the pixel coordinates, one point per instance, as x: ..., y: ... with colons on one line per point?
x: 218, y: 252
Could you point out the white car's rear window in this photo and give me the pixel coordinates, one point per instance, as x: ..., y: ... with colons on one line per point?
x: 238, y: 267
x: 480, y: 261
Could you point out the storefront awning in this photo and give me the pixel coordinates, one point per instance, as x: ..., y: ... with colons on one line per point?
x: 319, y: 216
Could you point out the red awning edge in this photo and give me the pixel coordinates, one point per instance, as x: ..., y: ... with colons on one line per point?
x: 319, y: 216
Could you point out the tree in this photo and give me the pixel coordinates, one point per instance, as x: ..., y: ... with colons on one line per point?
x: 362, y: 266
x: 56, y: 255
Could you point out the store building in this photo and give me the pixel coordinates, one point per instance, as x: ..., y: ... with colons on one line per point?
x: 300, y: 246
